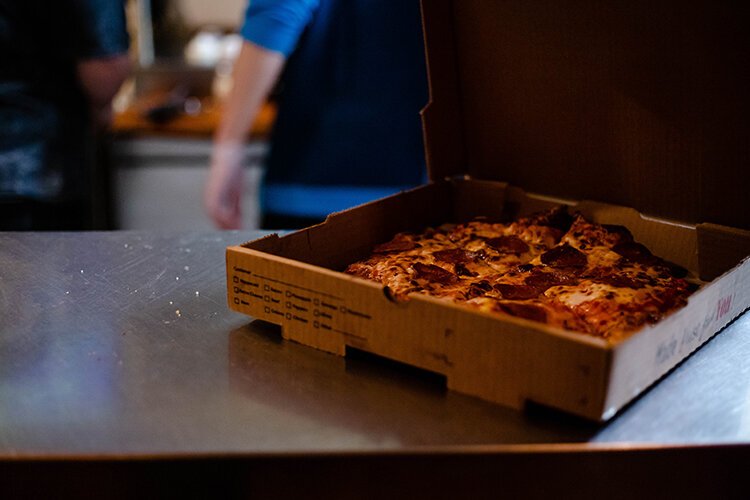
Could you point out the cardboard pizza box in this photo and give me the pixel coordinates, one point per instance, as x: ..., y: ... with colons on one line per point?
x: 599, y: 107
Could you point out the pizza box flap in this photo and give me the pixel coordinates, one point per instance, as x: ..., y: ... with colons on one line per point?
x: 642, y: 104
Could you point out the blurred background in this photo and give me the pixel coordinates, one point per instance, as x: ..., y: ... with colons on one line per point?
x: 167, y: 111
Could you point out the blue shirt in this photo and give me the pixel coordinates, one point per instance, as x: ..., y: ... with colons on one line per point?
x: 348, y: 128
x: 277, y: 25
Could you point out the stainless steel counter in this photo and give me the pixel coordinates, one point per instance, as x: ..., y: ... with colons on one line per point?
x: 120, y: 344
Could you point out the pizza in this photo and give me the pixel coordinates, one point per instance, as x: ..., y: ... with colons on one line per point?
x: 550, y: 267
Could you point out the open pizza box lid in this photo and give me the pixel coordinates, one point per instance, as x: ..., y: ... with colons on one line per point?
x: 639, y: 104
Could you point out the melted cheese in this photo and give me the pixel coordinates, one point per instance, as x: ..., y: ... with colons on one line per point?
x: 586, y: 291
x: 601, y: 257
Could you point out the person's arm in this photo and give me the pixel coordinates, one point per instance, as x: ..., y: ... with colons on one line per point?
x: 101, y: 48
x: 255, y: 72
x: 271, y: 31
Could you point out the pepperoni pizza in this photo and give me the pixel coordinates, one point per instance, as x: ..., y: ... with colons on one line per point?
x: 551, y: 267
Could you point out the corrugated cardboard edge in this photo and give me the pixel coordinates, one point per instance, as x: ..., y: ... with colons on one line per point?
x: 507, y: 362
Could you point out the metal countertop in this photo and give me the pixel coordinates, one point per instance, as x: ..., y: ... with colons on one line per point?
x: 118, y: 343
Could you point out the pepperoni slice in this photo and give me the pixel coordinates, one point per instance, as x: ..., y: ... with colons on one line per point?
x: 458, y: 258
x: 620, y: 281
x: 508, y: 244
x: 675, y: 270
x: 396, y: 245
x: 453, y: 256
x: 557, y: 217
x: 564, y: 256
x: 434, y: 274
x: 526, y: 311
x: 621, y: 231
x: 635, y: 252
x: 519, y: 292
x: 478, y: 289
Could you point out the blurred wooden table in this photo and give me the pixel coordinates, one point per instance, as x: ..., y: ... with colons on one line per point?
x: 133, y: 121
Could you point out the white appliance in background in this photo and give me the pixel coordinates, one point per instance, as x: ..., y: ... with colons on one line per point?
x: 159, y: 183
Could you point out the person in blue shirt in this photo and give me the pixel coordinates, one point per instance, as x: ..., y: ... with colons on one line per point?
x: 62, y: 62
x: 348, y: 128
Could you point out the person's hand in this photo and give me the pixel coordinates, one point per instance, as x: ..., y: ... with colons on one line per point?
x: 100, y: 79
x: 222, y: 196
